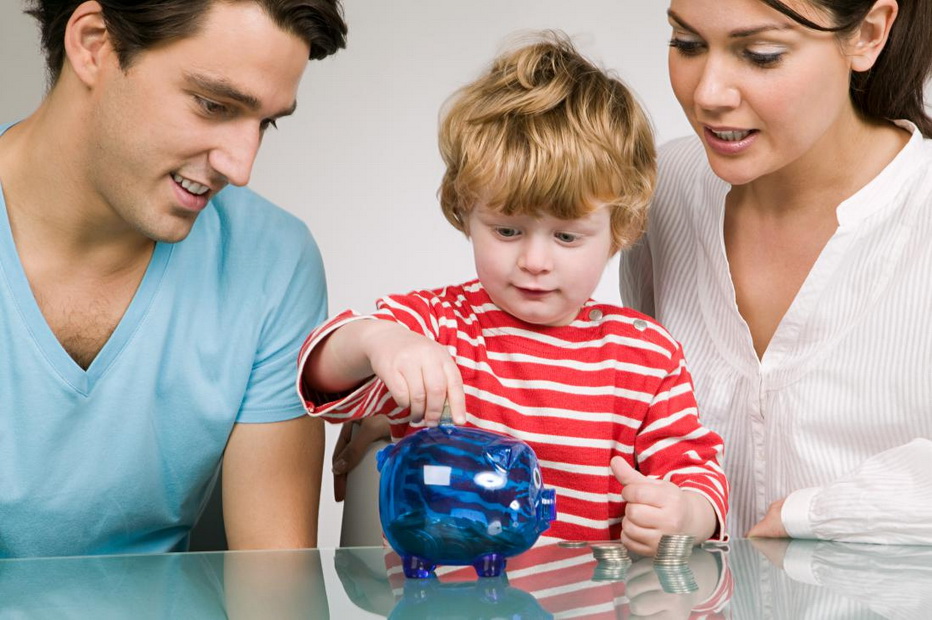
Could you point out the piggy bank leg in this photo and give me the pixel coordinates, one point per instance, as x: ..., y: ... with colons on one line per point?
x: 417, y: 568
x: 490, y: 565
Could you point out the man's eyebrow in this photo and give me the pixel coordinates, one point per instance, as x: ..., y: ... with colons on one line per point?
x: 224, y: 90
x: 735, y: 34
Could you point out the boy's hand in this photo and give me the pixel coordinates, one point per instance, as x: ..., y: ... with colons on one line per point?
x: 418, y: 372
x: 656, y: 507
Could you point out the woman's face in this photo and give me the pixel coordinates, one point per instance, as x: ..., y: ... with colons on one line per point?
x: 764, y: 93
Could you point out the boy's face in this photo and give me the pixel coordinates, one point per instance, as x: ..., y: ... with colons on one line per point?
x: 540, y: 270
x: 187, y: 117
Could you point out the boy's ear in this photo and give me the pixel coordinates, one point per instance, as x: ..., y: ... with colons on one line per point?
x: 871, y: 36
x: 87, y: 42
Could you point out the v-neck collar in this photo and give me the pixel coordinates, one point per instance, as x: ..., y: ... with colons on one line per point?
x: 82, y: 381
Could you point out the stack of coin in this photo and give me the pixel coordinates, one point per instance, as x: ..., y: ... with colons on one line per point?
x: 610, y: 553
x: 612, y: 561
x: 671, y: 564
x: 673, y: 550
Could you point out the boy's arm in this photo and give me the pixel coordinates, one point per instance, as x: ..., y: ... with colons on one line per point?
x: 419, y: 373
x: 681, y: 460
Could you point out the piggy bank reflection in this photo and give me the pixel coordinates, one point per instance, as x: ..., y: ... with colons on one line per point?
x: 461, y: 496
x: 429, y: 599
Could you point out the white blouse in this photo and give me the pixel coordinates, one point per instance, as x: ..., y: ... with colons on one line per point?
x: 837, y: 415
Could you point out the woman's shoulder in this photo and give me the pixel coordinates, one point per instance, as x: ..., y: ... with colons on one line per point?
x: 684, y: 177
x: 681, y: 157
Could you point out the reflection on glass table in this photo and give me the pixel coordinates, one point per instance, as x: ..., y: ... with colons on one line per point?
x: 748, y: 579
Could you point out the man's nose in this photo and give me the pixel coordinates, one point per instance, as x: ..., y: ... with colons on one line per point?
x: 236, y: 152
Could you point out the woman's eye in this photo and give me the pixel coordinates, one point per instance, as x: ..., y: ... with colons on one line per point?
x: 269, y: 122
x: 763, y: 60
x: 685, y: 47
x: 502, y: 231
x: 566, y: 237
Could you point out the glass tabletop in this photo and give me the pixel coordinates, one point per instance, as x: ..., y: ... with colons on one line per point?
x: 745, y: 579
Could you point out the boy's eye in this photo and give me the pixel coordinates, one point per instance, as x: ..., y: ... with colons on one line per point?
x: 564, y: 237
x: 503, y: 231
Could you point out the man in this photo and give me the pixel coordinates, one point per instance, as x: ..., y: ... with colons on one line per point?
x: 149, y: 322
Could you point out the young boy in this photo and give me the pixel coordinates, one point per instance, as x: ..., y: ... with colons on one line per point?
x: 550, y: 166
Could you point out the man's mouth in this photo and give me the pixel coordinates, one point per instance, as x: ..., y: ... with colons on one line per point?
x: 191, y: 186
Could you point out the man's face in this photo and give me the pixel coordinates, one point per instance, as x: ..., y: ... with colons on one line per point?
x: 187, y: 117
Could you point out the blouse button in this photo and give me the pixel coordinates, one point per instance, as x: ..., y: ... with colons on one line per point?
x: 595, y: 314
x: 640, y: 324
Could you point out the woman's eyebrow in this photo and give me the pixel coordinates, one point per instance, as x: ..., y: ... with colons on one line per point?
x: 734, y: 34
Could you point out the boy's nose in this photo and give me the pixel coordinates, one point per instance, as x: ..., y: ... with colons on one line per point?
x: 535, y: 257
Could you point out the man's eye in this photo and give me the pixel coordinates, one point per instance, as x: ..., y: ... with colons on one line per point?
x: 211, y: 108
x: 506, y: 232
x: 566, y: 237
x: 269, y: 122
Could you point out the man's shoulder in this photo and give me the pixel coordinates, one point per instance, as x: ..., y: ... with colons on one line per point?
x: 241, y: 209
x: 243, y: 222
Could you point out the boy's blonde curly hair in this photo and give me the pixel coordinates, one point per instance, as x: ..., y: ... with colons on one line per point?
x: 545, y: 131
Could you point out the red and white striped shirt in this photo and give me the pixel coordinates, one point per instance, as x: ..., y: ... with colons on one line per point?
x: 612, y: 382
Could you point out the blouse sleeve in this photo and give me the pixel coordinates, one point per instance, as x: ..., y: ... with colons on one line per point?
x: 886, y: 500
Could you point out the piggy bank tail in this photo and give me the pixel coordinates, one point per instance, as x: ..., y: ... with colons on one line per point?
x: 546, y: 509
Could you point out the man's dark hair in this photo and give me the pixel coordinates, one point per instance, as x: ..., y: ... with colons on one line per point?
x: 136, y: 26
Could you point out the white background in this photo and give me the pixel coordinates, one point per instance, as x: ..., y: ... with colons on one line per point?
x: 359, y: 161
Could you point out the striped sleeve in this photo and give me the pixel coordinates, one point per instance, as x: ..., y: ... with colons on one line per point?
x: 415, y: 312
x: 671, y: 443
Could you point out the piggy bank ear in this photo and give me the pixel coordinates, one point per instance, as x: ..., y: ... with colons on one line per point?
x: 500, y: 455
x: 383, y: 455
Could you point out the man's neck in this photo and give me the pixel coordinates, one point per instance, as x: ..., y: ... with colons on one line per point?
x: 55, y: 215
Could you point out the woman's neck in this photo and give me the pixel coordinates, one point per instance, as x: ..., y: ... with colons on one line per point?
x: 846, y: 159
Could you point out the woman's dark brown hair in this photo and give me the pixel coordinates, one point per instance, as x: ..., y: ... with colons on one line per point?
x: 137, y: 26
x: 894, y: 87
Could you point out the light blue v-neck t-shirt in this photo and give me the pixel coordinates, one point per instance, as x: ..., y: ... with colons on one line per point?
x: 118, y: 458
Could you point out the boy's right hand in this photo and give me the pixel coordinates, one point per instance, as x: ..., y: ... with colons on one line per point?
x: 418, y: 372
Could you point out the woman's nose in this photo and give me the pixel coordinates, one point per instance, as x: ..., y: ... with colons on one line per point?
x: 717, y: 88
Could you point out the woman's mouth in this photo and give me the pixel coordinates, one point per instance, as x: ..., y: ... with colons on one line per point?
x: 729, y: 141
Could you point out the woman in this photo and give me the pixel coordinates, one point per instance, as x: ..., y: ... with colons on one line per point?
x: 789, y: 251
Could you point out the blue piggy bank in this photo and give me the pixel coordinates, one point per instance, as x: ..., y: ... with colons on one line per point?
x: 461, y: 496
